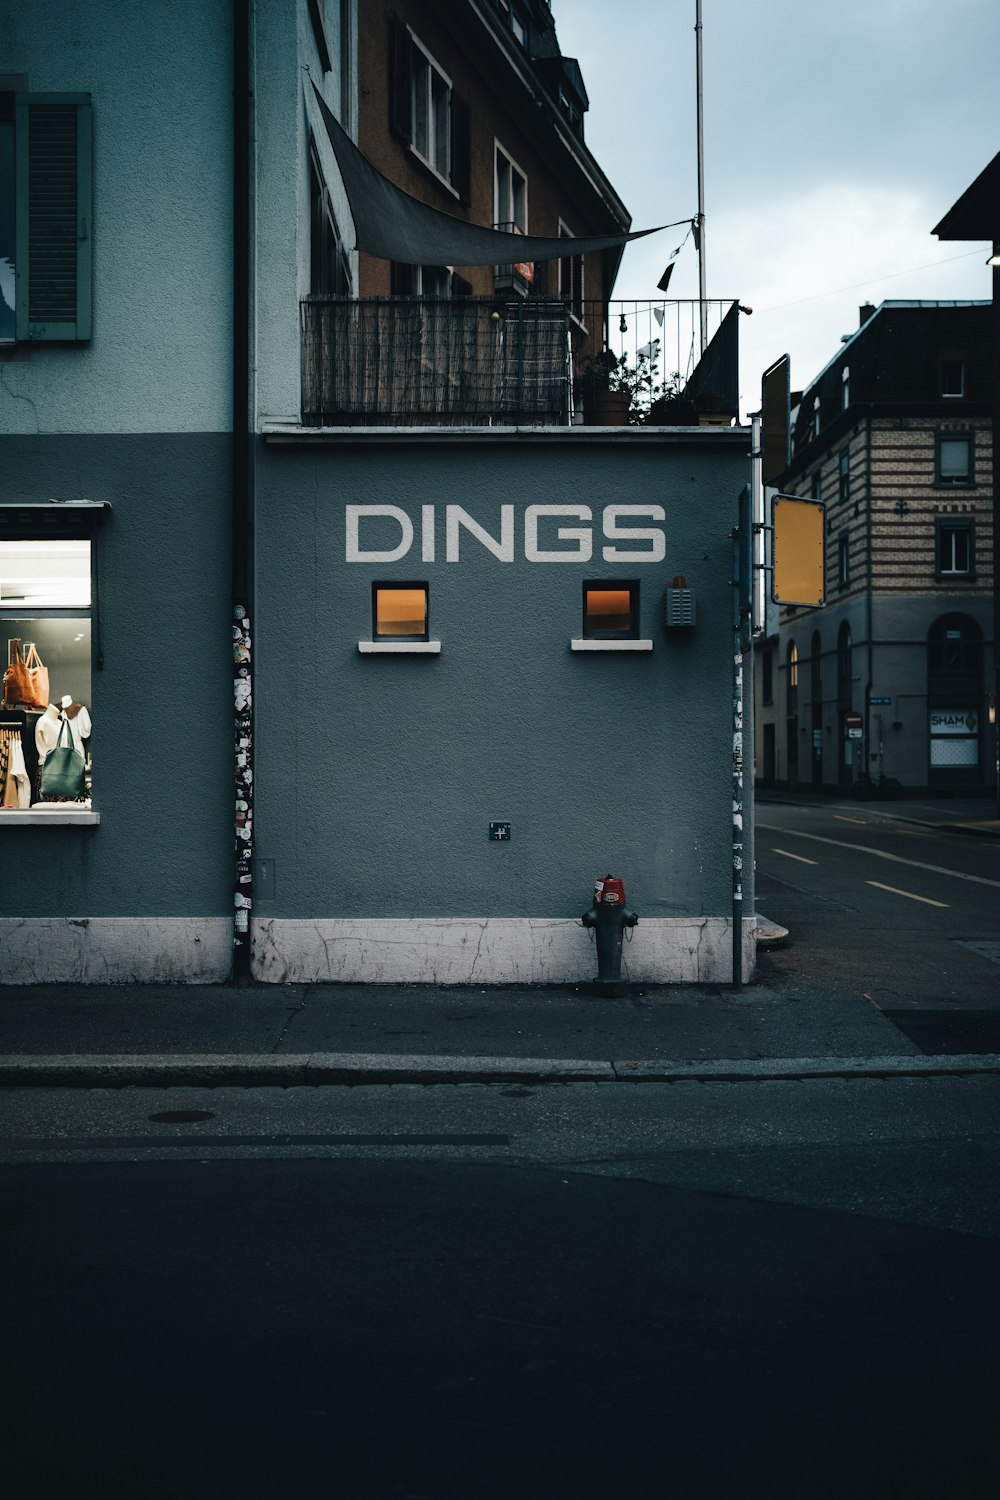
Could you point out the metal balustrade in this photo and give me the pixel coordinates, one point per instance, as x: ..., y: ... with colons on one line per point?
x: 511, y: 360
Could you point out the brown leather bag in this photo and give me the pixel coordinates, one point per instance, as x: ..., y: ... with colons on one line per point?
x: 26, y: 680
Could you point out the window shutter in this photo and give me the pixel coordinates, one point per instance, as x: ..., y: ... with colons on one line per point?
x: 400, y: 279
x: 400, y: 81
x: 461, y: 134
x: 53, y: 135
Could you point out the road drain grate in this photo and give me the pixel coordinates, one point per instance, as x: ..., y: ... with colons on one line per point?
x: 946, y: 1033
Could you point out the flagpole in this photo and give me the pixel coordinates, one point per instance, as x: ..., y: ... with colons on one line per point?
x: 702, y: 326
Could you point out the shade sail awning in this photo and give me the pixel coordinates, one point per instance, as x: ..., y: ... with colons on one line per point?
x: 392, y: 225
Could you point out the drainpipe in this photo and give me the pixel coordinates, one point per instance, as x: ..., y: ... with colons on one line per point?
x: 243, y: 488
x: 868, y: 591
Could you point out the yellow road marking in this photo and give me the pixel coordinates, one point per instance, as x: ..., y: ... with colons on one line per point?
x: 800, y: 857
x: 842, y: 819
x: 897, y: 892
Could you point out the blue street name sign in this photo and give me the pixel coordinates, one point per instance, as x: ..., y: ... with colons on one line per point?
x: 882, y: 701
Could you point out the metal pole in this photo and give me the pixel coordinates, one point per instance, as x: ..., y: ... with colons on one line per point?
x: 742, y: 574
x: 702, y: 281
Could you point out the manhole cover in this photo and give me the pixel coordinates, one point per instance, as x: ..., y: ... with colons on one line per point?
x: 942, y: 1033
x: 182, y: 1116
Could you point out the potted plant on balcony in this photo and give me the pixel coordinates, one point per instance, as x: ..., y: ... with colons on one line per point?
x: 605, y: 391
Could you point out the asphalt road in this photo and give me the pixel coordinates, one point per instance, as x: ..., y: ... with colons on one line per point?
x: 478, y: 1292
x: 777, y: 1289
x: 906, y: 914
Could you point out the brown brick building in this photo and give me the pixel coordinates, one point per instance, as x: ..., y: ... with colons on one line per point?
x: 895, y: 438
x: 470, y: 107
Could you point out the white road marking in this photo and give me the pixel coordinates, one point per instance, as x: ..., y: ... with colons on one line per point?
x: 800, y: 857
x: 842, y: 819
x: 897, y: 892
x: 896, y: 859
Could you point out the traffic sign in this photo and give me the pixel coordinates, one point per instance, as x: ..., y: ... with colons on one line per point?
x: 882, y: 702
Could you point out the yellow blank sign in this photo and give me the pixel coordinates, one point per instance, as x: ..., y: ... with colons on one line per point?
x: 799, y: 551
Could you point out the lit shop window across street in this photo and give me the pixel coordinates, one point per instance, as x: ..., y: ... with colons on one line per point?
x: 45, y: 638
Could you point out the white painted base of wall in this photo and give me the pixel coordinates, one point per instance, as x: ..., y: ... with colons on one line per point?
x: 490, y: 950
x: 115, y: 950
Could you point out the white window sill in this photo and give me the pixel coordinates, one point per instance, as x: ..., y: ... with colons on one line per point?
x: 611, y: 645
x: 400, y: 648
x: 59, y: 812
x: 429, y: 167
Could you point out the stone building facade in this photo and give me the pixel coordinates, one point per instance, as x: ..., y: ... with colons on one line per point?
x: 891, y: 677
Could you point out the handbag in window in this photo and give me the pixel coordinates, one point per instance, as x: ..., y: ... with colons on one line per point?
x: 26, y: 680
x: 64, y: 771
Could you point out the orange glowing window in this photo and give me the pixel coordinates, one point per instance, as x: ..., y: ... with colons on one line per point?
x: 611, y: 611
x: 400, y: 611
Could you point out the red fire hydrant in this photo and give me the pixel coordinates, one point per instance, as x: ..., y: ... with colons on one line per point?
x: 609, y: 917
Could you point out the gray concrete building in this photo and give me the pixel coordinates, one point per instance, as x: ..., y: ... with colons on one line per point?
x: 891, y: 678
x: 325, y: 701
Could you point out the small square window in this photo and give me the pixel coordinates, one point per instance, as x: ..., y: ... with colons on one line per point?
x: 954, y: 459
x: 611, y: 611
x: 400, y: 611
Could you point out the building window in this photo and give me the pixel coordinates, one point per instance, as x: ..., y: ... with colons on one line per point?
x: 844, y: 665
x: 793, y: 677
x: 955, y: 551
x: 817, y: 486
x: 844, y: 476
x: 425, y: 111
x: 767, y: 676
x: 843, y: 560
x: 611, y: 611
x: 329, y: 270
x: 954, y: 458
x: 46, y: 227
x: 571, y: 278
x: 424, y: 281
x: 510, y: 201
x: 45, y: 630
x: 400, y: 611
x: 952, y: 376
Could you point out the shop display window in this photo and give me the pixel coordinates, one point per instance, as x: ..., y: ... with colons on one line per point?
x: 45, y: 640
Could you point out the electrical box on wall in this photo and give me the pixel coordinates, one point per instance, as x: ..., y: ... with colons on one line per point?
x: 678, y: 606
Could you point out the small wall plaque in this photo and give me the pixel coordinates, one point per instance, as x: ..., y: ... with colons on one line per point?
x: 500, y: 832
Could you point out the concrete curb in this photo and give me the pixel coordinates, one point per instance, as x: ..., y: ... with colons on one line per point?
x: 317, y: 1068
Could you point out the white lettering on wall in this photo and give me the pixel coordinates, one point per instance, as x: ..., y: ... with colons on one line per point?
x: 427, y: 533
x: 579, y: 534
x: 455, y: 517
x: 354, y: 515
x: 637, y: 544
x: 653, y: 534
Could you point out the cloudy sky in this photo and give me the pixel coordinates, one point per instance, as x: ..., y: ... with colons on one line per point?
x: 836, y: 137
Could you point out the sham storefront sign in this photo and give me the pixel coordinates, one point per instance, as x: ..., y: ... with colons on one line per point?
x: 618, y: 533
x: 954, y: 736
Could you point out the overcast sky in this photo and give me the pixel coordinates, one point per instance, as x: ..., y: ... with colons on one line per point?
x: 836, y: 136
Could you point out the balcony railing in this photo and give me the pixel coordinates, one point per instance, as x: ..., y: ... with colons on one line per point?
x: 486, y: 361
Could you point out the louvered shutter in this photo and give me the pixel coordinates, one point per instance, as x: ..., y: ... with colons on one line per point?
x: 400, y: 80
x: 461, y: 132
x: 53, y: 134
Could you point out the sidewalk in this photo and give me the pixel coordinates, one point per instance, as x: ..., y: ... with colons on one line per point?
x: 163, y: 1036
